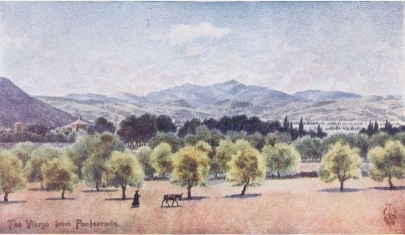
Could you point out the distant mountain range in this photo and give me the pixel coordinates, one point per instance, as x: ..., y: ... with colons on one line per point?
x: 318, y: 96
x: 16, y: 105
x: 232, y: 98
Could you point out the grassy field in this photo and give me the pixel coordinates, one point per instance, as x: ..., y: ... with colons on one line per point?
x: 301, y: 205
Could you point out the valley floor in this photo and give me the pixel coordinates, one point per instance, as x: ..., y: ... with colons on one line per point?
x: 301, y: 205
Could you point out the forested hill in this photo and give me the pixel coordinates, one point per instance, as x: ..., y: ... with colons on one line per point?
x: 16, y: 105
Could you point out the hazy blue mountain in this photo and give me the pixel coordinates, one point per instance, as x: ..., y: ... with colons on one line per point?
x: 233, y: 98
x: 130, y: 98
x: 88, y: 96
x: 202, y: 96
x: 16, y: 105
x: 316, y: 95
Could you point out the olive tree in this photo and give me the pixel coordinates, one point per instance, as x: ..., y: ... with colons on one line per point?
x: 340, y: 162
x: 223, y: 154
x: 94, y: 167
x: 246, y: 166
x: 11, y: 173
x: 122, y: 170
x: 283, y: 158
x: 144, y: 157
x: 309, y: 148
x: 59, y: 174
x: 191, y: 166
x: 387, y: 162
x: 23, y: 151
x: 40, y: 157
x: 162, y: 159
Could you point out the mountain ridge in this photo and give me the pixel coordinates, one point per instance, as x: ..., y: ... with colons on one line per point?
x: 16, y: 105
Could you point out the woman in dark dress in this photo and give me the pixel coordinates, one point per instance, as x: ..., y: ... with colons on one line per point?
x: 135, y: 203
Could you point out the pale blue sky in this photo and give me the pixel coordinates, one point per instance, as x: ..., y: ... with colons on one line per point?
x: 56, y: 48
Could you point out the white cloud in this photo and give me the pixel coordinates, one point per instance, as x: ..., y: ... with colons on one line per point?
x: 180, y: 34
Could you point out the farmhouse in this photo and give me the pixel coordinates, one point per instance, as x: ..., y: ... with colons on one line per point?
x: 77, y: 125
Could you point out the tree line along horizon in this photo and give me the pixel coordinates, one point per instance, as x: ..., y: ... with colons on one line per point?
x: 240, y: 153
x: 140, y: 129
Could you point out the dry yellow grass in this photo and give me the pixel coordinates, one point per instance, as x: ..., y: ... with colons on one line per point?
x: 302, y: 205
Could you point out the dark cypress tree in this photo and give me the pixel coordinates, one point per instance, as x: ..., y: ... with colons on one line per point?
x: 285, y: 124
x: 301, y: 128
x: 291, y: 126
x: 375, y: 127
x: 370, y: 129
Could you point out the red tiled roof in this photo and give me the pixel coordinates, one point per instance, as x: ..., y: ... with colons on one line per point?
x: 79, y: 122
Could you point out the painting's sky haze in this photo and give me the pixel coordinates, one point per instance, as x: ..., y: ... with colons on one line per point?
x: 56, y: 48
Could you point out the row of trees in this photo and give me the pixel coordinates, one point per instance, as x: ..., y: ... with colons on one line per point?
x: 141, y: 129
x: 101, y: 160
x: 97, y: 159
x: 38, y: 133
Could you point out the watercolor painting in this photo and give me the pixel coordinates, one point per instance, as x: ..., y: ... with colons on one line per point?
x: 202, y: 117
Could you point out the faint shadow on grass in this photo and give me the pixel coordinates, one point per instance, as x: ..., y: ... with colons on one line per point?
x: 170, y: 207
x: 101, y: 190
x: 59, y: 199
x: 337, y: 190
x: 397, y: 188
x: 118, y: 199
x: 243, y: 196
x: 12, y: 202
x: 194, y: 198
x: 36, y: 189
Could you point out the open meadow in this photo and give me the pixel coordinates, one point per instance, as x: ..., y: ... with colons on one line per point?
x: 300, y: 205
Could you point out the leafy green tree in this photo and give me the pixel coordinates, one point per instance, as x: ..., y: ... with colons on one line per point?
x: 38, y: 129
x: 162, y: 159
x: 123, y: 170
x: 246, y: 167
x: 169, y: 137
x: 256, y: 140
x: 189, y: 127
x: 379, y: 139
x: 94, y: 169
x: 340, y: 162
x: 137, y: 129
x: 235, y: 135
x: 349, y: 139
x: 98, y: 146
x: 281, y: 159
x: 223, y: 154
x: 81, y: 150
x: 387, y: 162
x: 309, y: 148
x: 272, y: 139
x: 144, y: 158
x: 211, y: 123
x: 40, y: 157
x: 164, y: 123
x: 11, y: 173
x: 400, y: 137
x: 225, y: 124
x: 212, y: 137
x: 23, y: 151
x: 191, y: 166
x: 59, y: 174
x: 103, y: 125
